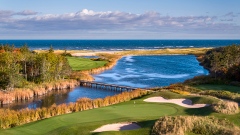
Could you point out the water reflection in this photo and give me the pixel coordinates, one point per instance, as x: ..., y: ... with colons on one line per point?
x: 59, y: 97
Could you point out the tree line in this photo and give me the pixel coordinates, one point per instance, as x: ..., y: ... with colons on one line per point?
x: 223, y: 62
x: 21, y: 66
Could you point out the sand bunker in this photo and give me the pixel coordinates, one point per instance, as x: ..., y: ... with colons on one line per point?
x: 182, y: 102
x: 117, y: 127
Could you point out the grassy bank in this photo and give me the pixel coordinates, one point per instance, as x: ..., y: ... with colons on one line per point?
x: 218, y: 87
x: 144, y: 113
x: 133, y: 52
x: 194, y: 51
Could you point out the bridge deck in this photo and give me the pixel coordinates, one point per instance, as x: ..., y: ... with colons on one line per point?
x: 106, y: 86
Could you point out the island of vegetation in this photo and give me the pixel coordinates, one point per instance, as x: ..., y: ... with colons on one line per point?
x: 25, y: 73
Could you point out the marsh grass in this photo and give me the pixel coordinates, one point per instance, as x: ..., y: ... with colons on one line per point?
x: 144, y: 113
x: 167, y: 51
x: 21, y: 94
x: 14, y: 118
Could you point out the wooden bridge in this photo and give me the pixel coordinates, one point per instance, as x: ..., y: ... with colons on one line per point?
x: 99, y: 85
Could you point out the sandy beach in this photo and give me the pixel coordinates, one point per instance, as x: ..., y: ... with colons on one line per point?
x: 93, y: 53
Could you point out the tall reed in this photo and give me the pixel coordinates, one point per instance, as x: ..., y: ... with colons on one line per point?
x: 11, y: 118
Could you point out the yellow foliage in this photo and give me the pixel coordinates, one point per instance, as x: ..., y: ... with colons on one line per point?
x: 181, y: 92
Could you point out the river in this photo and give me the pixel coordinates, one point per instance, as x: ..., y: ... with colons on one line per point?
x: 134, y: 71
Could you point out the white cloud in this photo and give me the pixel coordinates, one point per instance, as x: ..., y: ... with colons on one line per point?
x: 26, y: 13
x: 88, y: 20
x: 8, y: 13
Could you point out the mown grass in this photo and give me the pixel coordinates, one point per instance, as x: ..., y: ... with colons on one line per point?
x: 142, y: 112
x: 86, y: 121
x: 79, y: 63
x: 218, y: 87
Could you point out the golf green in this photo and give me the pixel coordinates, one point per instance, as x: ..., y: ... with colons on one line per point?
x: 127, y: 111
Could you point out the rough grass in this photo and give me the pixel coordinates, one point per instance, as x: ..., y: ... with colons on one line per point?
x: 139, y: 52
x: 195, y: 51
x: 144, y: 113
x: 218, y: 87
x: 79, y: 63
x: 195, y: 124
x: 79, y: 122
x: 226, y: 107
x: 195, y: 99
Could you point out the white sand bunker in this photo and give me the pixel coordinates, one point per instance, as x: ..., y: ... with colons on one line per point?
x: 117, y: 127
x: 182, y: 102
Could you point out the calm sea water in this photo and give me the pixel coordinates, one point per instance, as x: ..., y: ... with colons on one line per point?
x: 117, y: 44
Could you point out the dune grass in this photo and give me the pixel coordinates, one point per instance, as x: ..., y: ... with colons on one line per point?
x: 144, y: 113
x: 195, y: 51
x: 230, y: 88
x: 80, y: 63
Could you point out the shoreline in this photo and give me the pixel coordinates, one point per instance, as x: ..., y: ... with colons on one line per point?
x: 112, y: 56
x: 117, y: 55
x: 165, y: 51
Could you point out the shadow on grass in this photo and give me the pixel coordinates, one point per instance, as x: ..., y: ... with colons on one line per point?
x: 202, y: 100
x: 205, y: 111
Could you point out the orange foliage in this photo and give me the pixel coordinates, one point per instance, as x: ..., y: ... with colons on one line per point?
x: 20, y: 94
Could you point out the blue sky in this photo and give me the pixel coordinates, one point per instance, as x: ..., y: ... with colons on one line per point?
x: 120, y: 19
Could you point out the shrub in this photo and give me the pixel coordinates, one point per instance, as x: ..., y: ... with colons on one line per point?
x: 222, y: 94
x: 178, y: 125
x: 182, y: 87
x: 203, y: 79
x: 181, y: 92
x: 226, y: 107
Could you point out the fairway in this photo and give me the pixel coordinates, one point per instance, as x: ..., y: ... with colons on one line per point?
x: 80, y: 63
x: 128, y: 111
x: 144, y: 113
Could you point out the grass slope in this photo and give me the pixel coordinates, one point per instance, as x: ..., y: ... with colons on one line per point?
x: 218, y: 87
x: 116, y: 113
x: 78, y: 63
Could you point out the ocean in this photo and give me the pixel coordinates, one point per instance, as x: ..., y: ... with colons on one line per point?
x: 114, y: 45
